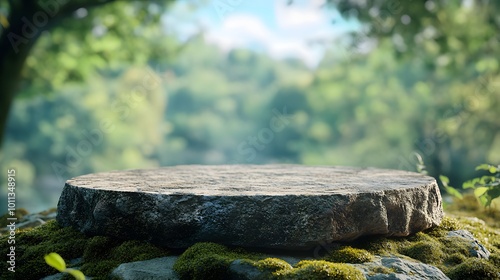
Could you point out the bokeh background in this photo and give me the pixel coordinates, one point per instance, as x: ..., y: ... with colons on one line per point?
x: 359, y: 83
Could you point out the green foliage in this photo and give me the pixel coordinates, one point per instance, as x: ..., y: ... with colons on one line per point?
x: 449, y: 189
x: 57, y: 262
x: 486, y: 188
x: 348, y: 254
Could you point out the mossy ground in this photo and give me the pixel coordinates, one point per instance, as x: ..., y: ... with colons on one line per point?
x: 19, y: 214
x: 100, y: 254
x: 432, y: 246
x: 211, y: 261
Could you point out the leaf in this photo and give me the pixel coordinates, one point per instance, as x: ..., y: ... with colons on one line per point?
x: 444, y: 180
x: 56, y: 261
x: 484, y: 200
x: 493, y: 169
x: 480, y: 191
x: 471, y: 184
x: 493, y: 193
x: 76, y: 273
x: 483, y: 166
x: 452, y: 191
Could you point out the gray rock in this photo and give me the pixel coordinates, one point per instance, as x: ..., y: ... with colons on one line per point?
x: 239, y: 270
x: 476, y: 249
x: 154, y: 269
x: 269, y: 206
x: 401, y: 269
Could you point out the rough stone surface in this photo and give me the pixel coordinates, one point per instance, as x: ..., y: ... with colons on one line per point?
x: 404, y: 269
x: 476, y: 249
x: 154, y: 269
x: 270, y: 206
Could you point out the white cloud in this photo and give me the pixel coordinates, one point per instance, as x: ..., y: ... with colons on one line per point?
x: 289, y: 35
x: 299, y: 15
x: 239, y: 30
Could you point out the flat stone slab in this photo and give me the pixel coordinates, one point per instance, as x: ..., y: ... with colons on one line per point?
x: 268, y: 206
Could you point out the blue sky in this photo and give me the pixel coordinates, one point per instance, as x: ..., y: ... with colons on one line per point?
x: 273, y: 27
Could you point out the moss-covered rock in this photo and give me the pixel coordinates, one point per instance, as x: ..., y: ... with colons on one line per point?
x: 32, y: 245
x: 100, y: 254
x: 426, y: 252
x: 348, y: 254
x: 474, y: 269
x: 319, y: 269
x: 207, y: 261
x: 103, y: 254
x: 272, y: 264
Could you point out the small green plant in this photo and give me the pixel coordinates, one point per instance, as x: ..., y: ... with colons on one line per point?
x: 486, y: 188
x: 57, y: 262
x: 449, y: 189
x: 421, y: 168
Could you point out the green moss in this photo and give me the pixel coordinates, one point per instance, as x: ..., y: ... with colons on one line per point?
x: 378, y: 245
x: 272, y: 264
x: 382, y: 270
x: 474, y: 269
x: 495, y: 259
x: 19, y: 214
x: 32, y: 245
x: 318, y: 269
x: 207, y: 261
x: 455, y: 245
x: 100, y: 268
x: 100, y: 254
x: 427, y: 252
x: 447, y: 224
x: 454, y: 259
x: 348, y: 254
x: 103, y: 254
x: 98, y: 248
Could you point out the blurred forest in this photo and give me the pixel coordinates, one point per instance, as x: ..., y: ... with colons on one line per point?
x: 112, y: 90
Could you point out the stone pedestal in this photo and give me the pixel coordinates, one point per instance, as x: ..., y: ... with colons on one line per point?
x: 267, y: 206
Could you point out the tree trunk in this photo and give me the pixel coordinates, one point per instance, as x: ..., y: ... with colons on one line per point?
x: 15, y: 44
